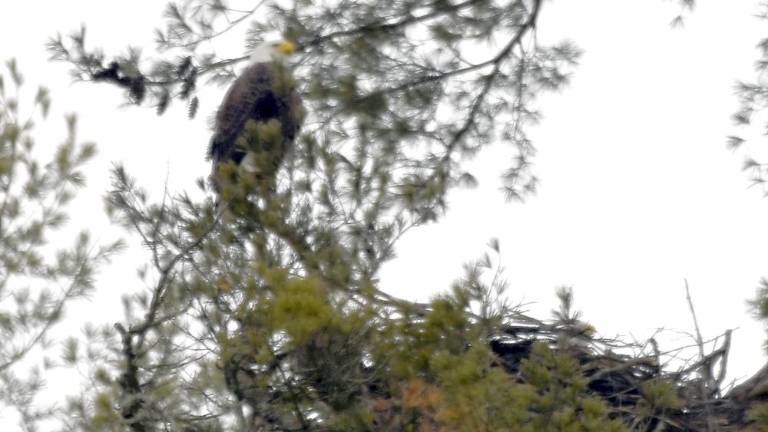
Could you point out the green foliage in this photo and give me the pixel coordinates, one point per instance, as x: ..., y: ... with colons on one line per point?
x: 37, y: 280
x: 561, y: 401
x: 660, y: 396
x: 259, y: 308
x: 760, y: 303
x: 105, y: 417
x: 759, y: 415
x: 301, y: 309
x: 449, y: 379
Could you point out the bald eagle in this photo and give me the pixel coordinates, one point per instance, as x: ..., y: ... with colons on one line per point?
x: 263, y: 96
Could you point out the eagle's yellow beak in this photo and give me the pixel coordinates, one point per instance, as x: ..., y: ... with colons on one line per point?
x: 286, y: 48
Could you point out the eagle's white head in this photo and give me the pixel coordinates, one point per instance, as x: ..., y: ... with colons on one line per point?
x: 270, y: 51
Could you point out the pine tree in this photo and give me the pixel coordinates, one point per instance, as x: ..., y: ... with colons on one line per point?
x: 267, y: 315
x: 38, y: 279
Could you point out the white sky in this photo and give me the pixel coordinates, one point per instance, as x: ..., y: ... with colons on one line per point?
x: 638, y: 191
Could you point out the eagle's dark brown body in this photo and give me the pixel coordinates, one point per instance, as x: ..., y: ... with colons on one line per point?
x: 260, y: 94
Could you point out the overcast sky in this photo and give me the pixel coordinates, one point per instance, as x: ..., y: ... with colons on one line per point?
x: 638, y: 190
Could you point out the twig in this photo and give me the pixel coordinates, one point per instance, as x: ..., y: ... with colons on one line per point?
x: 389, y: 26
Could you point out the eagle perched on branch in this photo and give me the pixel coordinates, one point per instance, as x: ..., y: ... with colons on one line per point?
x: 259, y: 117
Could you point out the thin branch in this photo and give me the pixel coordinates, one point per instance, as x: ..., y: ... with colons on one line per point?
x: 699, y: 339
x: 389, y: 26
x: 165, y: 276
x: 232, y: 24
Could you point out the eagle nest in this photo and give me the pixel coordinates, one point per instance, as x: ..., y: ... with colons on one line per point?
x: 622, y: 373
